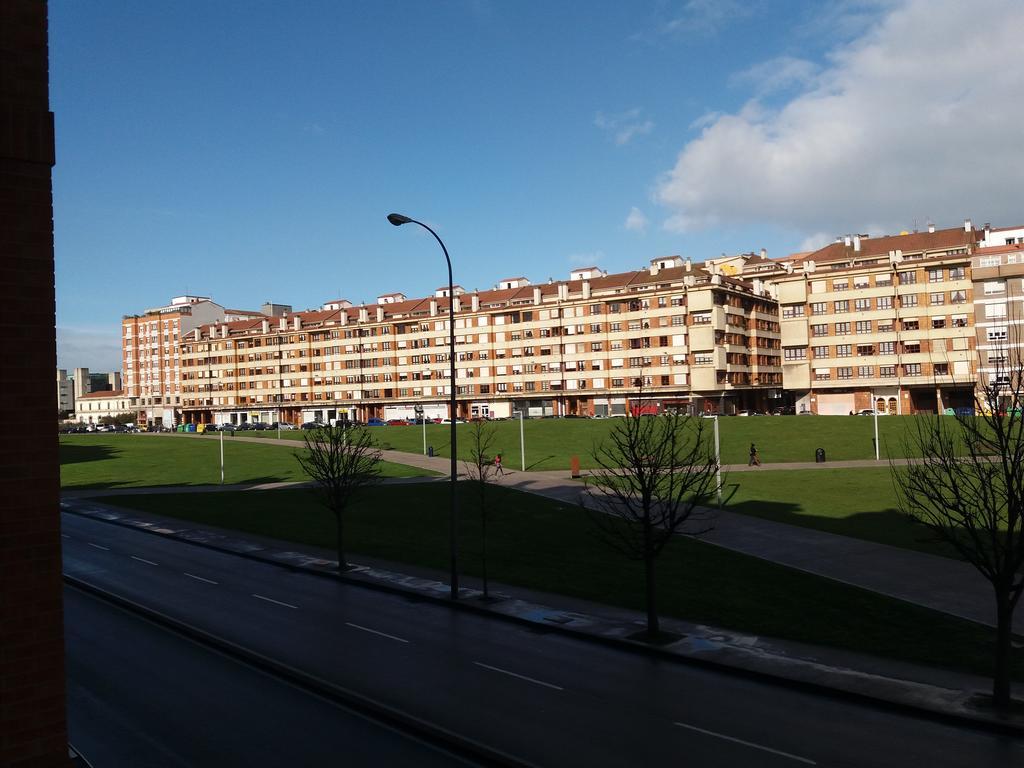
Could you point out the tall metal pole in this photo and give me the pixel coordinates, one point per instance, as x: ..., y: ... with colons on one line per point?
x: 718, y: 466
x: 398, y: 219
x: 222, y: 457
x: 522, y: 441
x: 280, y: 384
x: 423, y: 421
x: 874, y: 408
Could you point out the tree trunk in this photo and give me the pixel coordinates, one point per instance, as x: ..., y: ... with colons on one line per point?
x: 342, y: 565
x: 1004, y: 624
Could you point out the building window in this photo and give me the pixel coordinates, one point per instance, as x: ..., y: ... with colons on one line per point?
x: 840, y: 285
x: 884, y: 302
x: 863, y: 326
x: 819, y: 330
x: 842, y: 329
x: 995, y: 311
x: 822, y: 374
x: 938, y: 322
x: 941, y: 369
x: 957, y: 273
x: 819, y: 308
x: 844, y: 373
x: 792, y: 310
x: 862, y: 305
x: 936, y: 298
x: 844, y: 350
x: 865, y: 371
x: 795, y: 353
x: 935, y: 275
x: 908, y: 278
x: 819, y: 352
x: 887, y: 371
x: 995, y: 286
x: 957, y: 297
x: 887, y: 347
x: 908, y: 300
x: 911, y: 324
x: 842, y: 306
x: 988, y: 261
x: 865, y: 349
x: 997, y: 333
x: 911, y: 369
x: 618, y: 382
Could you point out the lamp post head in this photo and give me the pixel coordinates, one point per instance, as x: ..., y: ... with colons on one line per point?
x: 398, y: 219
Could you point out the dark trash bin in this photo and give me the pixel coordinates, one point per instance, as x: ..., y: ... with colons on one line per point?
x: 430, y: 451
x: 819, y: 456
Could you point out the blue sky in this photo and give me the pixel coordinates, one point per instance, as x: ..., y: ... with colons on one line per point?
x: 250, y: 151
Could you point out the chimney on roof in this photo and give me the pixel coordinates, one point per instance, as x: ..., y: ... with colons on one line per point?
x: 563, y: 292
x: 364, y: 315
x: 197, y: 334
x: 586, y: 289
x: 931, y: 226
x: 475, y: 302
x: 551, y: 280
x: 764, y: 253
x: 654, y: 268
x: 456, y: 304
x: 689, y: 264
x: 536, y: 295
x: 343, y: 316
x: 223, y: 331
x: 265, y: 329
x: 988, y: 230
x: 856, y: 242
x: 433, y: 307
x: 967, y: 225
x: 380, y: 314
x: 847, y: 241
x: 296, y: 322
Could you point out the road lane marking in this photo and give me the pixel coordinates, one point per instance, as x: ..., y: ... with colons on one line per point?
x: 199, y: 578
x: 521, y: 677
x: 374, y: 631
x: 105, y: 549
x: 144, y: 560
x: 277, y: 602
x: 64, y: 536
x: 748, y: 744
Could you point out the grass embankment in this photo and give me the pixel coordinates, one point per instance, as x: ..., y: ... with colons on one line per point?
x: 545, y: 545
x: 133, y: 461
x: 550, y: 443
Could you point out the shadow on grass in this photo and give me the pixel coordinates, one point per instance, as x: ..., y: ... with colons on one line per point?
x: 77, y: 453
x: 198, y: 484
x: 885, y: 526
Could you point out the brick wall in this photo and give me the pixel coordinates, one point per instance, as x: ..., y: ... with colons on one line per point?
x: 32, y: 701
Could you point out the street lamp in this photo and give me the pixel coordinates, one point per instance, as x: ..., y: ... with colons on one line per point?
x: 522, y: 440
x: 398, y: 220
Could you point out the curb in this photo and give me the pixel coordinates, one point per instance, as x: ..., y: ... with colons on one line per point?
x: 435, y: 735
x: 990, y: 724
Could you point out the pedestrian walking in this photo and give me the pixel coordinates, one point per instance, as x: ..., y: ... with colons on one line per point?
x: 755, y: 460
x: 497, y: 464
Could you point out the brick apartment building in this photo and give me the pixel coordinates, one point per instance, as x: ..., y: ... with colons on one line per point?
x: 879, y: 322
x: 671, y: 335
x: 150, y: 355
x: 998, y: 280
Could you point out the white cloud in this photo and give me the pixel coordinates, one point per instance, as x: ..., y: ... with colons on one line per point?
x: 636, y: 221
x: 590, y: 259
x: 86, y: 348
x: 776, y: 74
x: 707, y: 16
x: 624, y: 126
x: 917, y: 118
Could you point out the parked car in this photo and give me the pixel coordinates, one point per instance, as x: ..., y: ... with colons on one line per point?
x: 311, y: 425
x: 870, y: 412
x: 397, y: 423
x: 285, y: 425
x: 376, y: 423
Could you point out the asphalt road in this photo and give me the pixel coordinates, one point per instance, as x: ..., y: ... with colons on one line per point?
x: 542, y: 697
x: 141, y: 696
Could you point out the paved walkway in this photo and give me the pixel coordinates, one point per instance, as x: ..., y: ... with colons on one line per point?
x: 940, y: 583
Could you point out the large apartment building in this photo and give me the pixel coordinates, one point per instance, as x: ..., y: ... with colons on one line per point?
x: 150, y: 355
x: 998, y: 280
x: 878, y: 322
x: 673, y: 335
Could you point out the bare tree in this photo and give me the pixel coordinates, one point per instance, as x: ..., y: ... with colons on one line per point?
x: 342, y: 460
x: 968, y: 488
x: 481, y: 471
x: 654, y: 474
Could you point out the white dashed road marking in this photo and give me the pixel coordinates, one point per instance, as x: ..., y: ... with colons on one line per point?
x: 747, y: 743
x: 198, y: 578
x: 144, y: 560
x: 276, y: 602
x: 521, y: 677
x: 376, y: 632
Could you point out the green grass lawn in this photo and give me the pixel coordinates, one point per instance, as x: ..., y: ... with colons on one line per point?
x: 123, y: 461
x: 551, y: 442
x: 542, y: 544
x: 851, y: 502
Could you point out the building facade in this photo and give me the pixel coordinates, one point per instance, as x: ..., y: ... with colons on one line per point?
x: 150, y: 359
x: 998, y: 280
x: 92, y: 408
x: 673, y: 335
x: 884, y: 322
